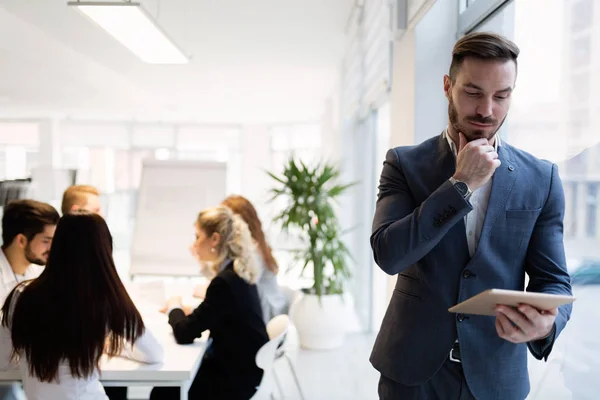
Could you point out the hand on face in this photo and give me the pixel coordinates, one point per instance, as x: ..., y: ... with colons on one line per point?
x: 524, y: 324
x: 476, y: 162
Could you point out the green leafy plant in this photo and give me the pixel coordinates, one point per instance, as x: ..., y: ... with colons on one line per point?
x: 310, y: 194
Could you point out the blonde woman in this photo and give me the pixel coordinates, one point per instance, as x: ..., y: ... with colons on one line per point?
x: 231, y: 311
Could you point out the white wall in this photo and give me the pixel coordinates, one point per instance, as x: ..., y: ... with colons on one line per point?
x: 434, y: 40
x: 418, y: 108
x: 256, y: 159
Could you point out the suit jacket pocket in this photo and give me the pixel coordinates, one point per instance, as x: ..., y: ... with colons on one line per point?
x: 523, y: 214
x: 406, y: 293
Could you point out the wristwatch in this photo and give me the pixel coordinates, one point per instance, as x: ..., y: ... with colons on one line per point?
x: 461, y: 188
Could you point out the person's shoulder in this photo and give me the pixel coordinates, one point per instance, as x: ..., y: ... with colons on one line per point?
x: 416, y: 148
x: 34, y: 271
x: 531, y: 162
x: 413, y: 153
x: 227, y: 276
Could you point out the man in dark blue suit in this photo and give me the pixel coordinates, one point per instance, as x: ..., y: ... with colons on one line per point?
x: 458, y: 214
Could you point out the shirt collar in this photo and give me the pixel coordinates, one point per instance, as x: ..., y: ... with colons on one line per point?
x: 452, y: 145
x: 5, y: 268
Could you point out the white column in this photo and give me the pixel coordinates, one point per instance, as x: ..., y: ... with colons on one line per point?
x: 256, y: 159
x: 44, y: 184
x: 50, y: 149
x: 418, y: 107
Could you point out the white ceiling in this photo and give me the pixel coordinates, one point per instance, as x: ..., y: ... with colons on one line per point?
x: 252, y: 61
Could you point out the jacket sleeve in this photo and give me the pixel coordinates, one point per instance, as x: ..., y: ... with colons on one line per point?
x: 546, y: 262
x: 210, y: 313
x: 404, y: 232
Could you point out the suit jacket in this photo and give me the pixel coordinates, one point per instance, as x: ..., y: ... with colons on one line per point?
x: 419, y: 235
x: 231, y: 311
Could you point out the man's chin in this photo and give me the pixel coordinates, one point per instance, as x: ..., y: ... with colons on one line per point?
x: 479, y: 134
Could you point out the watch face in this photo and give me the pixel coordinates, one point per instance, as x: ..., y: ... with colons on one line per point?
x: 462, y: 188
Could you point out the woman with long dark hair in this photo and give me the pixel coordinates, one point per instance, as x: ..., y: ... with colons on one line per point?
x: 61, y: 323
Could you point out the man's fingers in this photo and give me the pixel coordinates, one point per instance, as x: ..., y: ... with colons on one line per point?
x: 552, y: 311
x: 462, y: 141
x: 499, y: 329
x: 531, y: 313
x: 521, y: 320
x: 509, y: 331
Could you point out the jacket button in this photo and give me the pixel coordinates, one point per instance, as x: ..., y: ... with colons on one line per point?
x: 467, y: 274
x: 460, y: 317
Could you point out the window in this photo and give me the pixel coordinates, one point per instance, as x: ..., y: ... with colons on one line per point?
x: 592, y: 199
x: 579, y: 88
x: 554, y: 115
x: 581, y: 51
x: 571, y: 220
x: 579, y: 122
x: 581, y: 17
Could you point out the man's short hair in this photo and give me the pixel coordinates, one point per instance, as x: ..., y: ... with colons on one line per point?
x: 483, y: 46
x: 76, y: 195
x: 27, y: 217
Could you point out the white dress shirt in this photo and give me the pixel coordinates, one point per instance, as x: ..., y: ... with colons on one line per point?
x: 479, y: 200
x: 146, y: 349
x: 8, y: 279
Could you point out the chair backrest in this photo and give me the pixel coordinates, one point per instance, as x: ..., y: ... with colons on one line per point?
x: 266, y: 355
x: 277, y: 325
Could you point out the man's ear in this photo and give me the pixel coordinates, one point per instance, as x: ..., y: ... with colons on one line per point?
x: 447, y: 86
x: 21, y: 240
x: 75, y: 207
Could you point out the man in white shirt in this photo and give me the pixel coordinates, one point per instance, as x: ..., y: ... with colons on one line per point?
x: 27, y: 231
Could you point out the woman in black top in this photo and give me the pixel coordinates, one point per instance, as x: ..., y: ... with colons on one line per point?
x: 231, y: 311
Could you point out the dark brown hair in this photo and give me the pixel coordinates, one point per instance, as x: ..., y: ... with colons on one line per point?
x: 242, y: 206
x: 76, y: 195
x: 67, y: 314
x: 26, y: 217
x: 483, y: 46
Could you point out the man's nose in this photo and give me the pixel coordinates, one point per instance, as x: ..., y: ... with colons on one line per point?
x: 485, y: 107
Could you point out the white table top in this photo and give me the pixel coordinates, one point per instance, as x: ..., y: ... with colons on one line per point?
x: 180, y: 361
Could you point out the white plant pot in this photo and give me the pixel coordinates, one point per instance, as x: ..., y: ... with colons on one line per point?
x: 320, y: 325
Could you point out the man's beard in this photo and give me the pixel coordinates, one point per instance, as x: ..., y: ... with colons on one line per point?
x: 471, y: 133
x: 32, y: 258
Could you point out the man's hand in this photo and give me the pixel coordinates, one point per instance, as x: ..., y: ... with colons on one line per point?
x: 476, y: 162
x: 524, y: 324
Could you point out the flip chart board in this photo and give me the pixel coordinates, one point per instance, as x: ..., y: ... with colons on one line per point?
x: 171, y: 194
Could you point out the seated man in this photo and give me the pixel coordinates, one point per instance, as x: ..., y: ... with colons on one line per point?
x: 81, y: 197
x: 27, y: 231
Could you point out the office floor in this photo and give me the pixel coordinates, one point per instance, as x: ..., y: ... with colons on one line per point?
x: 346, y: 374
x: 340, y: 374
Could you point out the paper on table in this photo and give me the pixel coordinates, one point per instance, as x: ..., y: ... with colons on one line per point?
x: 152, y: 292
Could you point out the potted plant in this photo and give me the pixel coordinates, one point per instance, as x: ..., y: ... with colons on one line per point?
x: 310, y: 195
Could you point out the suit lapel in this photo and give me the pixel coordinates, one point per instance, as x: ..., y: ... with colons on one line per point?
x: 502, y: 184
